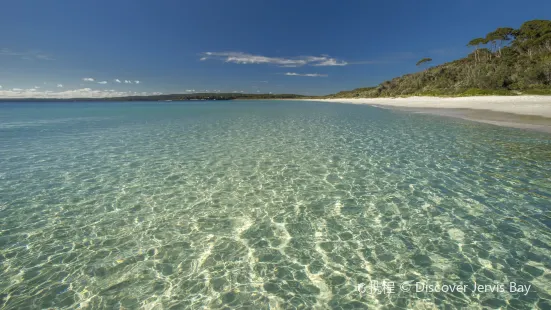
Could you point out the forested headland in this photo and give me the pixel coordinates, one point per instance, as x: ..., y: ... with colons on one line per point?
x: 505, y: 61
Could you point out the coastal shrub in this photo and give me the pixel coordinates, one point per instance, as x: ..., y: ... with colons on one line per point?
x: 487, y: 92
x: 538, y: 92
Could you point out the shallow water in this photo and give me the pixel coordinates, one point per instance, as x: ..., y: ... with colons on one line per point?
x: 258, y: 205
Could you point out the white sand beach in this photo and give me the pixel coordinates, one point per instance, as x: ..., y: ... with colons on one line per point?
x: 526, y: 112
x: 522, y: 105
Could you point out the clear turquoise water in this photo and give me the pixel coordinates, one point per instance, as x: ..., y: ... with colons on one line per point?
x: 261, y: 205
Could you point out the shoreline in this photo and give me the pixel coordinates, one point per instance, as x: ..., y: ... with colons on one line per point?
x: 522, y: 112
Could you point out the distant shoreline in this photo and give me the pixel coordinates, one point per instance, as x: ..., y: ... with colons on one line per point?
x: 524, y: 112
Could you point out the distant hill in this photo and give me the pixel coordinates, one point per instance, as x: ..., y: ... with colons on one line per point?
x: 506, y: 61
x: 173, y: 97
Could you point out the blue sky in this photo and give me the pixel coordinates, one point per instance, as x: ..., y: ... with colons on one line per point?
x: 48, y: 48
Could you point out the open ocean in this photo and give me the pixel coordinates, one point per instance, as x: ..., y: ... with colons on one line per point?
x: 268, y: 205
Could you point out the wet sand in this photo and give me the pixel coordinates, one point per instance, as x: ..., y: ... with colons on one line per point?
x: 523, y: 112
x: 528, y: 122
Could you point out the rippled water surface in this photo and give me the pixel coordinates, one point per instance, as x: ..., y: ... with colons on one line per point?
x: 267, y: 205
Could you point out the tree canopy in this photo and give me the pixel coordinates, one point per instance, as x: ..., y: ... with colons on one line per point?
x: 422, y: 61
x: 477, y: 42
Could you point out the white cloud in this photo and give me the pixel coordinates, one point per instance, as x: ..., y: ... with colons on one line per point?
x: 0, y: 86
x: 102, y: 82
x: 127, y: 82
x: 29, y: 55
x: 63, y: 94
x: 88, y: 79
x: 306, y: 74
x: 60, y: 85
x: 330, y: 62
x: 117, y: 80
x: 43, y: 57
x: 190, y: 90
x: 244, y: 58
x: 37, y: 87
x: 137, y: 82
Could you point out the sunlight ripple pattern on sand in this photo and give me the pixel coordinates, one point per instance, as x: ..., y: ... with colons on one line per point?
x: 266, y: 205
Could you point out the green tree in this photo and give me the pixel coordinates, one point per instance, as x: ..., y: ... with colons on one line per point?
x: 500, y: 35
x: 528, y: 36
x: 533, y: 29
x: 476, y: 44
x: 423, y: 61
x: 492, y: 38
x: 544, y: 42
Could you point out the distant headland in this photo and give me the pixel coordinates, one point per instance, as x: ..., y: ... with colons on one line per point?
x: 171, y: 97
